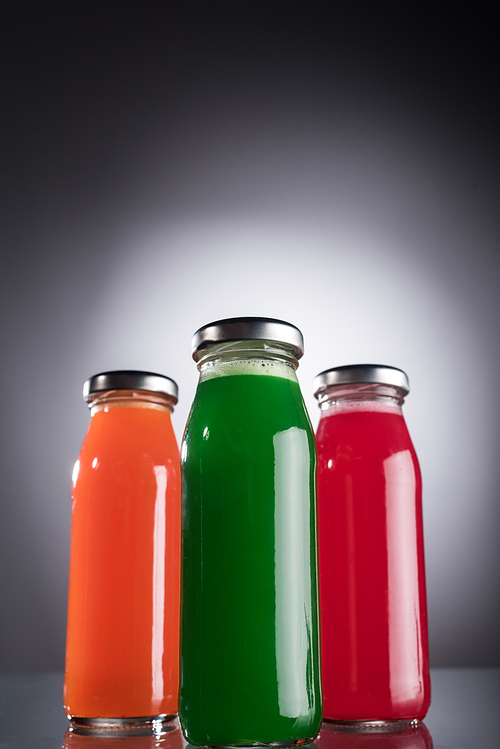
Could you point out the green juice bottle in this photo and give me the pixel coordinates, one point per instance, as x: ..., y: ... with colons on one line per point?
x: 250, y: 634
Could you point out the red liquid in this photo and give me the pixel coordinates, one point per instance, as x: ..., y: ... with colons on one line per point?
x: 371, y: 559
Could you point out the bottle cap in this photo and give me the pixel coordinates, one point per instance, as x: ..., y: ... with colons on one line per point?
x: 356, y: 374
x: 248, y: 329
x: 130, y: 379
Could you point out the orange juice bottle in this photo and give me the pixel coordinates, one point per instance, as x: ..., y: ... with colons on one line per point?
x: 122, y: 647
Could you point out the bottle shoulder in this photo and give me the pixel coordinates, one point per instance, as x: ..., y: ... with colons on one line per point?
x: 242, y: 413
x: 124, y: 434
x: 369, y: 433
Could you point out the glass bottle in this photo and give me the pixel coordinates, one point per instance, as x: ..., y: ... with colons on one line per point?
x: 249, y: 661
x: 124, y: 578
x: 371, y: 555
x: 169, y: 736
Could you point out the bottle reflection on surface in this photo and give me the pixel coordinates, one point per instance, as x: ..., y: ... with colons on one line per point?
x: 170, y: 739
x: 397, y: 735
x: 310, y: 745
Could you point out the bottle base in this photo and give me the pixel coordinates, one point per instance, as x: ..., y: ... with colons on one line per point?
x: 149, y: 725
x: 257, y: 745
x: 370, y: 726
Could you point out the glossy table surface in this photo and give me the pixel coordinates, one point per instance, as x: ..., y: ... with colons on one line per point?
x: 464, y: 714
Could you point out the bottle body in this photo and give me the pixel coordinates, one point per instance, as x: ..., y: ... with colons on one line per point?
x: 250, y: 656
x: 124, y: 586
x: 372, y: 576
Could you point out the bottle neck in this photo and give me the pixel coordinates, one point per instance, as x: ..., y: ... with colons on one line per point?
x: 247, y: 357
x: 110, y: 399
x: 362, y: 397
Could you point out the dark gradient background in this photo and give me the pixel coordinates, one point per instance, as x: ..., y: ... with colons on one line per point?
x: 164, y: 165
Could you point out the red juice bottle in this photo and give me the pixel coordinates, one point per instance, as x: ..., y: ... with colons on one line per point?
x: 375, y: 659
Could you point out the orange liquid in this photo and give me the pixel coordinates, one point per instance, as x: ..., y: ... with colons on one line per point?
x: 122, y: 649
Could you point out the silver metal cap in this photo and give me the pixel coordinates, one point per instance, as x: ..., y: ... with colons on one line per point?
x: 130, y: 379
x: 354, y: 374
x: 248, y: 329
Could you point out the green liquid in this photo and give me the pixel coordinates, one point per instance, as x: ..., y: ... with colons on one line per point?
x: 250, y: 665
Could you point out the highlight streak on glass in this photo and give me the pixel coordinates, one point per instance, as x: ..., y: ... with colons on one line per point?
x: 158, y: 583
x: 292, y: 555
x: 404, y: 655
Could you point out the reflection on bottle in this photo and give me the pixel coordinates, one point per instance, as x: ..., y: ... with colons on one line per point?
x: 170, y: 738
x: 397, y: 735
